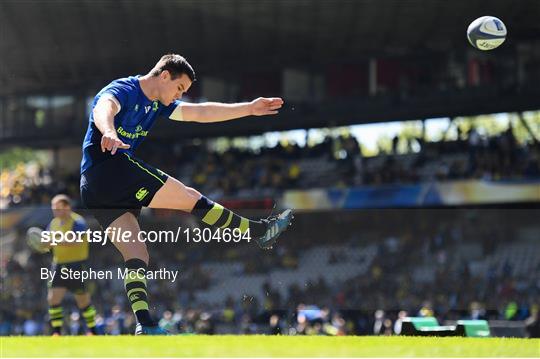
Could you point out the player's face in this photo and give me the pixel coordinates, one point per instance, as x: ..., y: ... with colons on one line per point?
x: 173, y: 89
x: 61, y: 209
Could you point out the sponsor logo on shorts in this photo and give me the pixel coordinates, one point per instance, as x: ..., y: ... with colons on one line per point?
x: 141, y: 193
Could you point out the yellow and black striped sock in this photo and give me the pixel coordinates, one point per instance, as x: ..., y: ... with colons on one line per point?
x: 89, y: 315
x: 56, y: 318
x: 216, y: 215
x: 135, y: 283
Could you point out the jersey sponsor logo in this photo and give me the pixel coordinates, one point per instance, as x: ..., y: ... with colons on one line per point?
x: 136, y: 108
x: 131, y: 135
x: 147, y: 108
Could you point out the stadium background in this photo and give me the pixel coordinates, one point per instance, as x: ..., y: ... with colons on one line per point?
x: 411, y: 158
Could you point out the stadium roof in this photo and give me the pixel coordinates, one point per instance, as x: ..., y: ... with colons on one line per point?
x: 59, y: 45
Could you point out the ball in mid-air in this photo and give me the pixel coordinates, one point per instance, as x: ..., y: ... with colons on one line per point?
x: 486, y: 33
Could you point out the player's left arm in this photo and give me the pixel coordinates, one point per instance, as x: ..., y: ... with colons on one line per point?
x: 216, y: 112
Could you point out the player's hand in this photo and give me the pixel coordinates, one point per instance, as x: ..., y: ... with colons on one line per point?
x: 111, y: 142
x: 266, y: 106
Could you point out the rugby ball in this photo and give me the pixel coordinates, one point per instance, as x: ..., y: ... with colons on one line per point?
x: 33, y: 238
x: 486, y: 33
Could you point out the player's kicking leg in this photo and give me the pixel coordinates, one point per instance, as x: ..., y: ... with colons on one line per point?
x: 175, y: 195
x: 127, y: 182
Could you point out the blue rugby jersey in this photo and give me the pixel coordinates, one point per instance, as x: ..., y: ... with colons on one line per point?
x: 136, y: 117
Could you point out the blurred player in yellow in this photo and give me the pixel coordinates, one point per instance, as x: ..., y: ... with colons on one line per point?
x: 72, y: 256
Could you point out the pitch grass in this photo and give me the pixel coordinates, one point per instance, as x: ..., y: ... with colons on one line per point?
x: 265, y: 346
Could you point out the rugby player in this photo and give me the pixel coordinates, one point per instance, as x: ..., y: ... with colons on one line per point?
x: 115, y: 184
x: 69, y: 255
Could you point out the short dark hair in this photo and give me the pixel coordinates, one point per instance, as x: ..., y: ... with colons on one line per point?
x: 176, y: 65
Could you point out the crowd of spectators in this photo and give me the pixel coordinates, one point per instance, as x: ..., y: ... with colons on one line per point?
x: 339, y: 162
x: 366, y: 303
x: 363, y: 304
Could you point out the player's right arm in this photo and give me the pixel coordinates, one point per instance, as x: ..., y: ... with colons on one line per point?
x: 104, y: 111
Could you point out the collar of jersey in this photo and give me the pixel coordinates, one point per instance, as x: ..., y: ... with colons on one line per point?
x: 142, y: 96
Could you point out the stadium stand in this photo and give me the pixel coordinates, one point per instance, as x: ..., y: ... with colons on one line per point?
x: 243, y: 173
x: 422, y: 271
x: 354, y: 263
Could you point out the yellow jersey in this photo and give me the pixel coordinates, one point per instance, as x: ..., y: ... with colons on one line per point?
x: 70, y: 252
